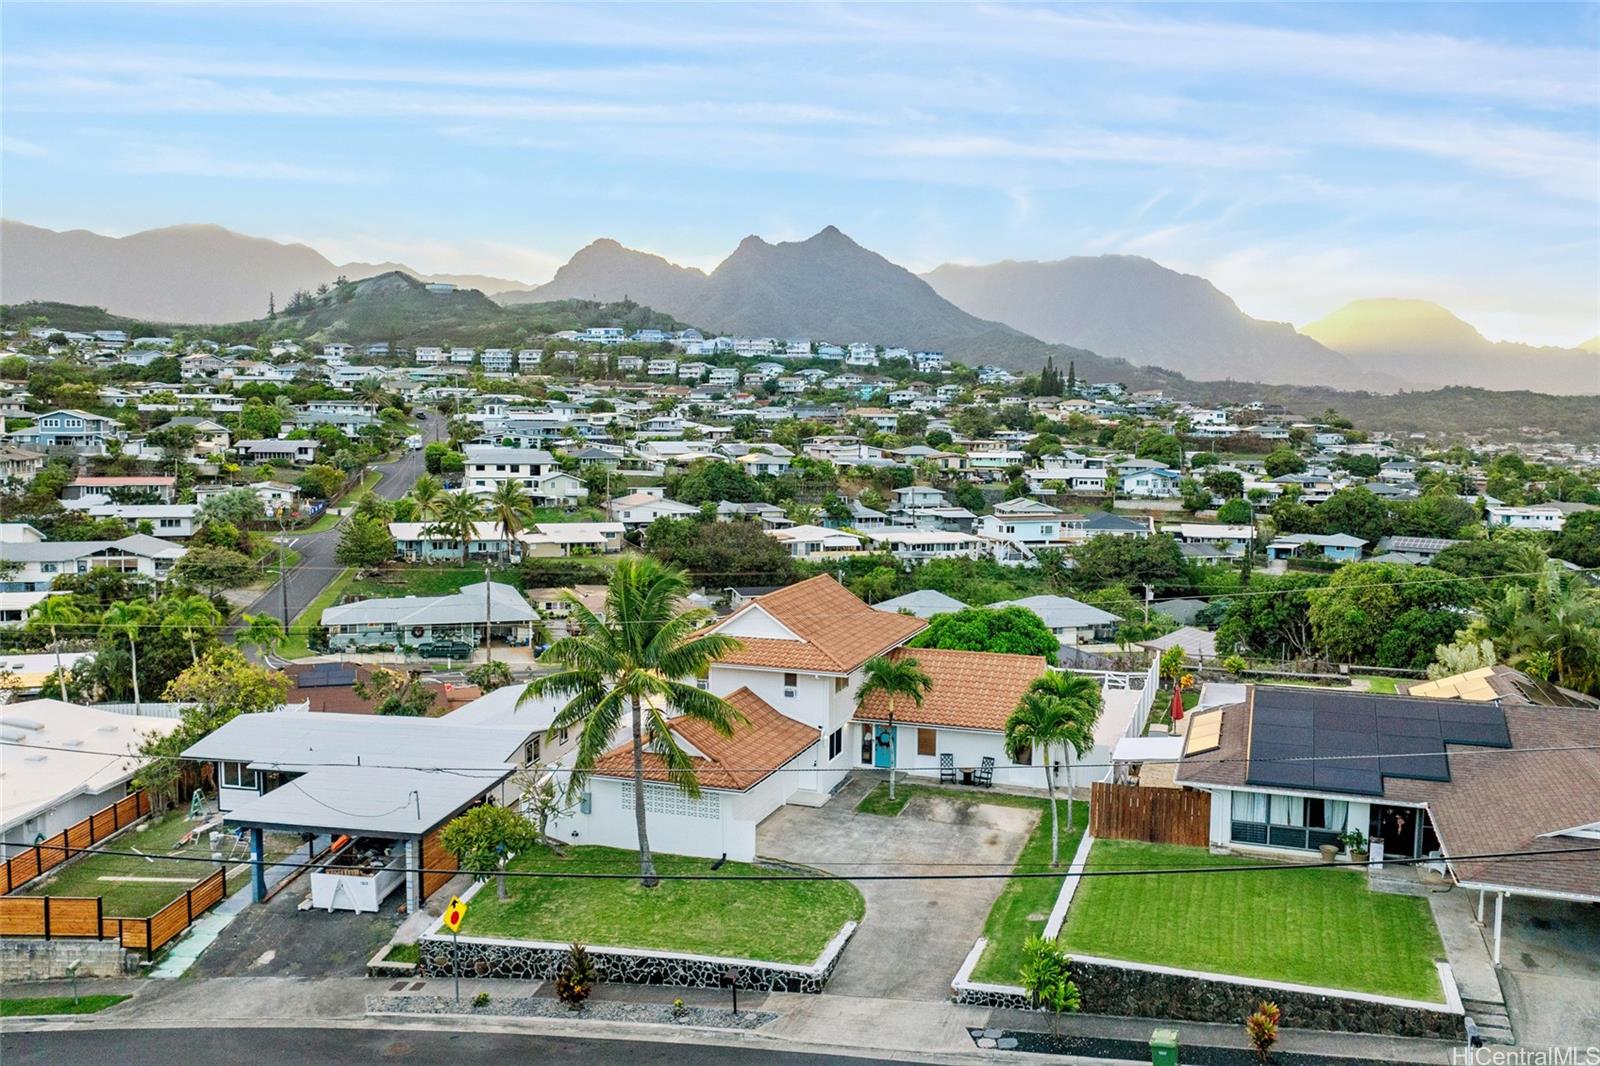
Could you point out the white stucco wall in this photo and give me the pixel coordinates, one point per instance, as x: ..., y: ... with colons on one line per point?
x: 969, y: 747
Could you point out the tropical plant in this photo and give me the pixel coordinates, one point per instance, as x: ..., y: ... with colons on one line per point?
x: 631, y: 665
x: 485, y: 838
x: 1046, y: 975
x: 903, y: 676
x: 490, y: 675
x: 1261, y: 1028
x: 457, y: 517
x: 125, y: 619
x: 576, y: 978
x: 262, y: 632
x: 428, y: 493
x: 53, y: 613
x: 510, y: 509
x: 1058, y: 708
x: 190, y: 615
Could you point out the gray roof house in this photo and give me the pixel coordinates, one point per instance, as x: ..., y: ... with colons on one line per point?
x: 923, y: 603
x: 1072, y: 621
x: 423, y: 619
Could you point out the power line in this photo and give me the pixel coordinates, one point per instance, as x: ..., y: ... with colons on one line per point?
x: 1556, y: 855
x: 299, y: 764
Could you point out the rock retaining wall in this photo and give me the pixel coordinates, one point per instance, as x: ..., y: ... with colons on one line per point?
x: 534, y: 960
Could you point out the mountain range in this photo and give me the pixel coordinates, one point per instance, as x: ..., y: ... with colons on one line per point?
x: 1132, y: 308
x: 826, y: 287
x: 1121, y: 318
x: 191, y: 273
x: 1423, y: 343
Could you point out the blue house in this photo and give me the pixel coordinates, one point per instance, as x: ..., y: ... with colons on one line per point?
x: 1339, y: 547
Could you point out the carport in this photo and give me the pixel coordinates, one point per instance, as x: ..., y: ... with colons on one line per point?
x: 380, y: 786
x: 364, y: 807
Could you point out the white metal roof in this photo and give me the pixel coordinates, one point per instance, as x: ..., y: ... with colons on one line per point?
x: 367, y: 800
x: 299, y: 741
x: 463, y: 608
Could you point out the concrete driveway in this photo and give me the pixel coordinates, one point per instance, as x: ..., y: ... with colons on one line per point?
x: 1550, y: 971
x: 915, y: 933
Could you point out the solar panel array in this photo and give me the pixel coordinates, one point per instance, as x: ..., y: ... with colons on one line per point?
x: 1323, y: 740
x: 1544, y: 694
x: 327, y: 675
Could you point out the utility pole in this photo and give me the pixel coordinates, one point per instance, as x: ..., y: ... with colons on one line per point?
x: 488, y: 614
x: 283, y: 577
x: 1149, y: 594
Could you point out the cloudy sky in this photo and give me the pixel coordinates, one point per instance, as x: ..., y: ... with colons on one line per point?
x: 1299, y: 156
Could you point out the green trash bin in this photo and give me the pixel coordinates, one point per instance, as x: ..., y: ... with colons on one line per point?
x: 1164, y: 1047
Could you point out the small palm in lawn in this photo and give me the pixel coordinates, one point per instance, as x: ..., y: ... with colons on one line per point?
x: 894, y: 677
x: 428, y: 492
x: 189, y: 615
x: 53, y: 613
x: 124, y: 619
x: 510, y: 510
x: 638, y: 662
x: 262, y: 632
x: 1058, y: 708
x: 457, y: 517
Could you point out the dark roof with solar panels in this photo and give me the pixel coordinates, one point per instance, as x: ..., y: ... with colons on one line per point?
x: 1340, y: 741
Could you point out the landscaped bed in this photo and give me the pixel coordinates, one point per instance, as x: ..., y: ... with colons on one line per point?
x: 138, y: 885
x: 777, y: 921
x: 1302, y: 925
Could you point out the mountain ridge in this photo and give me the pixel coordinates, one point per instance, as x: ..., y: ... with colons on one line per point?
x: 192, y: 272
x: 1424, y: 342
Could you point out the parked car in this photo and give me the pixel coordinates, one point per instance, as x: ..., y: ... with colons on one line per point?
x: 414, y: 443
x: 445, y: 649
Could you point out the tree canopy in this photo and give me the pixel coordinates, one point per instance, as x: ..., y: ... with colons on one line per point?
x: 1015, y: 630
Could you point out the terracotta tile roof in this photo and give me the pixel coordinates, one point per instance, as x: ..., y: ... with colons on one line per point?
x: 840, y: 632
x: 971, y: 689
x: 765, y: 741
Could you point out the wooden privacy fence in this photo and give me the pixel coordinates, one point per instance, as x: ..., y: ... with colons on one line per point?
x: 48, y: 854
x: 1154, y: 815
x: 83, y: 917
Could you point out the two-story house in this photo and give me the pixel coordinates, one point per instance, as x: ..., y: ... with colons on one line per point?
x: 487, y: 467
x: 70, y: 428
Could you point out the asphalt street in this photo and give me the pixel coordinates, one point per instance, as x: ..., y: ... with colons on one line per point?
x: 313, y: 1046
x: 317, y: 568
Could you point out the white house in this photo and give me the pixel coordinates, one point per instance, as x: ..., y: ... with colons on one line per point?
x: 638, y: 509
x: 1072, y: 621
x: 63, y: 762
x: 805, y: 542
x: 38, y: 564
x: 487, y: 467
x: 1548, y: 516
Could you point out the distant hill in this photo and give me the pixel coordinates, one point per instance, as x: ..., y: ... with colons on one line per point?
x: 605, y: 270
x: 199, y: 273
x: 391, y: 307
x: 827, y: 287
x: 1426, y: 344
x: 1590, y: 345
x: 1132, y: 308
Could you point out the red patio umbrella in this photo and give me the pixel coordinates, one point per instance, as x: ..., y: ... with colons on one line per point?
x: 1177, y: 705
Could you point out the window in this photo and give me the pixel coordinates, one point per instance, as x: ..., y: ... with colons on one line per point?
x: 1287, y: 821
x: 866, y: 744
x: 238, y: 775
x: 835, y: 743
x: 531, y: 753
x: 927, y: 742
x: 791, y: 686
x: 565, y: 735
x: 840, y: 684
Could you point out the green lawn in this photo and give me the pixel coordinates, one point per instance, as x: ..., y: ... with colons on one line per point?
x: 438, y: 579
x: 160, y: 881
x: 779, y: 921
x: 1303, y: 925
x: 26, y: 1008
x: 296, y: 646
x: 1385, y: 685
x: 1161, y: 709
x: 878, y: 802
x: 1012, y: 918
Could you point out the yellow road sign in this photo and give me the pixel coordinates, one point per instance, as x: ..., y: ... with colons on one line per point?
x: 454, y: 914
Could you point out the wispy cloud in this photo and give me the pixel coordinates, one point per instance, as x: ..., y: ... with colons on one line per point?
x: 17, y: 146
x: 198, y: 163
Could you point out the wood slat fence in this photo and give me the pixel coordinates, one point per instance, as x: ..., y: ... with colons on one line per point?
x: 46, y: 855
x: 1154, y: 815
x: 84, y: 918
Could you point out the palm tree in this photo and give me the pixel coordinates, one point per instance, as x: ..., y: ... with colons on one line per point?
x: 633, y: 662
x: 894, y: 677
x: 262, y: 632
x: 1058, y: 708
x: 51, y: 613
x: 428, y: 492
x: 124, y: 619
x: 510, y: 509
x: 189, y: 615
x: 457, y: 517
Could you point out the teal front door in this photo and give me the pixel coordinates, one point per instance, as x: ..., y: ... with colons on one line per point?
x: 883, y: 748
